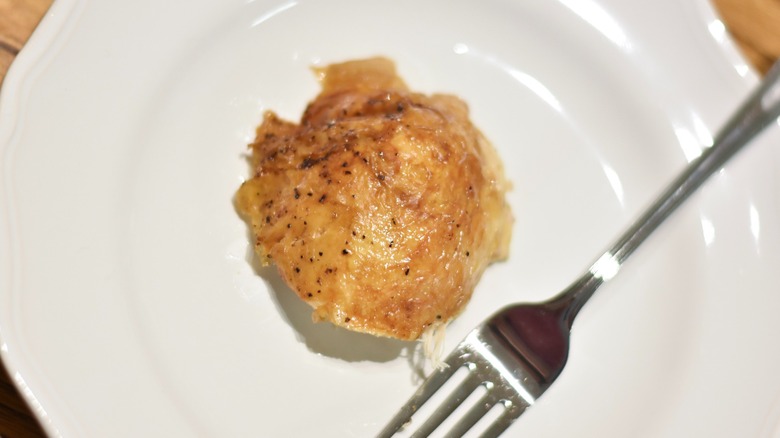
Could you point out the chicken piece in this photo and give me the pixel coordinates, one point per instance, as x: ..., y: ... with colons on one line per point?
x: 382, y: 208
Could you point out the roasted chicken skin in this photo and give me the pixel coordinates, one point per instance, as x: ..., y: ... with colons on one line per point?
x: 382, y: 208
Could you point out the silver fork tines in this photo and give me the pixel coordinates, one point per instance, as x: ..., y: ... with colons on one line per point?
x: 518, y: 352
x: 498, y: 357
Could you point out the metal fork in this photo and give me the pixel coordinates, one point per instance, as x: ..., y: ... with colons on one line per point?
x: 517, y: 353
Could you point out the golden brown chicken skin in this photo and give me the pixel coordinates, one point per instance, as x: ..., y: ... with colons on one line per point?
x: 382, y: 208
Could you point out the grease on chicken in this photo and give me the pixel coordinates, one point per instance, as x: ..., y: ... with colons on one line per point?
x: 382, y: 207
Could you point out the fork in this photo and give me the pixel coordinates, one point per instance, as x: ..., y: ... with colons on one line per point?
x: 517, y: 353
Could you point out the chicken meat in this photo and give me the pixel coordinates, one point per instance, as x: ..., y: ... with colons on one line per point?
x: 382, y: 207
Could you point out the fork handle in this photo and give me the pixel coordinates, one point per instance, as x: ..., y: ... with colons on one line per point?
x: 760, y: 109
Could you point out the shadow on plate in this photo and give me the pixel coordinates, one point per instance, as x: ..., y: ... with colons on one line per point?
x: 328, y: 339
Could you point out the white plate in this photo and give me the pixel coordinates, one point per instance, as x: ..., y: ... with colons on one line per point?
x: 129, y: 307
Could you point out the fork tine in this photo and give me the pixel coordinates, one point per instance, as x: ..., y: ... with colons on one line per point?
x: 505, y: 420
x: 472, y: 416
x: 428, y: 388
x: 446, y: 408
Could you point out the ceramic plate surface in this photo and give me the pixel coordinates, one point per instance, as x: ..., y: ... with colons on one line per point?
x: 129, y: 305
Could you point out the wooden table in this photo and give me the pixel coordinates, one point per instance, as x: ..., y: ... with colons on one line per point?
x: 755, y: 24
